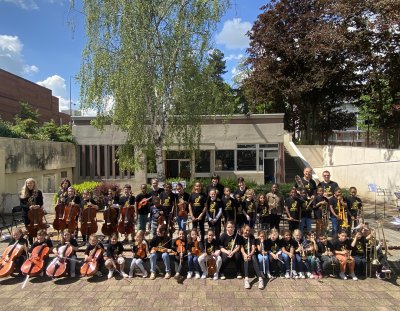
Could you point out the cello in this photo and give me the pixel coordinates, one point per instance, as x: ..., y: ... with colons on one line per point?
x: 110, y: 215
x: 58, y: 267
x: 71, y: 211
x: 35, y: 216
x: 91, y: 264
x: 7, y: 260
x: 35, y: 264
x: 58, y: 223
x: 89, y: 221
x: 126, y: 222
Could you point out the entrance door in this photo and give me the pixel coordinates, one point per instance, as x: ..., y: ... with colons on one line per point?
x: 172, y: 169
x: 269, y: 171
x: 184, y: 169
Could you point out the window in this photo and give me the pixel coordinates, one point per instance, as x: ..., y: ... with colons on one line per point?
x: 224, y: 160
x: 203, y: 162
x: 246, y: 160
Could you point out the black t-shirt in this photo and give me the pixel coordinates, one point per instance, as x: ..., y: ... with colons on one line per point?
x: 287, y: 244
x: 318, y: 209
x: 182, y: 200
x: 263, y: 245
x: 329, y: 187
x: 208, y: 247
x: 229, y: 208
x: 273, y: 246
x: 310, y: 186
x: 353, y: 205
x: 250, y: 208
x: 247, y: 243
x: 213, y: 207
x: 341, y: 246
x: 113, y: 250
x: 76, y: 199
x: 90, y: 247
x: 145, y: 210
x: 360, y: 247
x: 323, y: 248
x: 293, y: 205
x: 263, y: 210
x: 240, y: 192
x: 197, y: 201
x: 333, y: 201
x: 167, y: 202
x: 158, y: 241
x: 304, y: 202
x: 123, y: 199
x: 228, y: 241
x: 156, y: 193
x: 219, y: 187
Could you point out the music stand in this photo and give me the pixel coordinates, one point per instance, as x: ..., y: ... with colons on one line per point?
x: 373, y: 188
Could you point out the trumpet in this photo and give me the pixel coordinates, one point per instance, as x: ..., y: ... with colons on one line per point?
x: 349, y: 259
x: 342, y: 213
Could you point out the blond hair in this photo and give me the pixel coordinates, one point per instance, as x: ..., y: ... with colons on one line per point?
x: 24, y: 193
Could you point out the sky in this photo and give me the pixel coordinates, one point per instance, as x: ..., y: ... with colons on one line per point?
x: 42, y: 41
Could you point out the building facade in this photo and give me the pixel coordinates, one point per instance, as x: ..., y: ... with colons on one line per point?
x: 249, y: 146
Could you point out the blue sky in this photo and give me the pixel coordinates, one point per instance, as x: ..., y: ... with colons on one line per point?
x: 37, y: 41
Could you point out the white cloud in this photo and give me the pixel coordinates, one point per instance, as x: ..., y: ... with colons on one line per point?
x: 233, y: 34
x: 234, y: 57
x: 11, y: 58
x: 24, y: 4
x: 59, y: 89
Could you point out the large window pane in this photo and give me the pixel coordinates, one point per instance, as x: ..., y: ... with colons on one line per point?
x: 246, y: 160
x: 224, y: 160
x: 203, y: 161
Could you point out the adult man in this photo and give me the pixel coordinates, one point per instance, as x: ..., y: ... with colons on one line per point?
x: 328, y: 185
x: 309, y: 184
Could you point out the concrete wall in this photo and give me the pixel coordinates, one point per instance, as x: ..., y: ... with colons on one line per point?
x: 47, y: 162
x: 359, y: 166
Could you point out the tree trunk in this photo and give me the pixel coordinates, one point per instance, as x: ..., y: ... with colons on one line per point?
x: 159, y: 162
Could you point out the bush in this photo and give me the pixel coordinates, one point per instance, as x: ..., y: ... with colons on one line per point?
x: 100, y: 192
x: 87, y: 185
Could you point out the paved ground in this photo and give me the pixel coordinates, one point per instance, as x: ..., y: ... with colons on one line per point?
x: 144, y: 294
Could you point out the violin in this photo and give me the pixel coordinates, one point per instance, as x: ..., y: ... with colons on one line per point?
x: 141, y: 250
x: 161, y: 220
x: 163, y: 249
x: 110, y: 215
x: 126, y: 222
x: 91, y: 265
x: 35, y: 216
x: 58, y: 223
x: 89, y: 222
x: 7, y: 260
x: 182, y: 211
x: 196, y: 248
x: 211, y: 266
x: 58, y: 267
x: 71, y: 211
x: 35, y: 264
x: 143, y: 202
x: 180, y: 246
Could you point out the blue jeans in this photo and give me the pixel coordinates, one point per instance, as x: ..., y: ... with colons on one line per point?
x: 305, y: 222
x: 286, y: 260
x: 142, y: 221
x: 181, y: 223
x: 263, y: 261
x: 153, y: 261
x: 335, y: 226
x: 193, y: 263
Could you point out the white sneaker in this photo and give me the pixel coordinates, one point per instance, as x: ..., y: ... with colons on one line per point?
x: 246, y: 283
x: 309, y: 275
x: 222, y: 277
x: 295, y: 275
x: 130, y: 274
x: 189, y: 275
x: 260, y: 283
x: 145, y: 275
x: 167, y: 275
x: 353, y: 276
x: 269, y: 276
x: 204, y: 276
x: 215, y: 276
x: 239, y: 276
x: 301, y: 275
x: 152, y: 276
x: 124, y: 274
x: 197, y: 275
x: 287, y: 275
x: 343, y: 276
x: 110, y: 274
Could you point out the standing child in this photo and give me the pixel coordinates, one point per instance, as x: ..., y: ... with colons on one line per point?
x: 114, y: 257
x: 155, y: 213
x: 240, y: 217
x: 354, y: 206
x: 210, y: 251
x: 140, y: 251
x: 214, y: 212
x: 229, y: 206
x: 262, y: 210
x: 194, y: 251
x: 320, y: 205
x: 292, y: 209
x: 250, y: 209
x: 248, y: 250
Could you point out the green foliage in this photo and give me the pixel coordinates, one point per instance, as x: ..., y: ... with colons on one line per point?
x: 28, y: 112
x: 86, y: 185
x: 5, y: 129
x: 25, y: 128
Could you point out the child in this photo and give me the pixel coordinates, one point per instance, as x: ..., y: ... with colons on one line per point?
x: 262, y: 254
x: 248, y: 249
x: 214, y: 212
x: 114, y: 257
x: 325, y: 255
x: 262, y: 210
x: 354, y: 206
x: 320, y: 204
x: 210, y: 250
x: 140, y: 252
x: 287, y: 254
x: 155, y: 212
x: 18, y: 239
x: 336, y: 204
x: 87, y: 202
x: 306, y: 211
x: 160, y: 247
x: 249, y: 208
x: 180, y: 247
x: 342, y: 247
x: 230, y: 249
x: 197, y: 208
x: 299, y: 254
x: 240, y: 217
x: 194, y: 251
x: 92, y: 248
x: 229, y: 207
x: 273, y: 249
x: 312, y: 263
x: 292, y: 209
x: 359, y: 244
x: 42, y: 239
